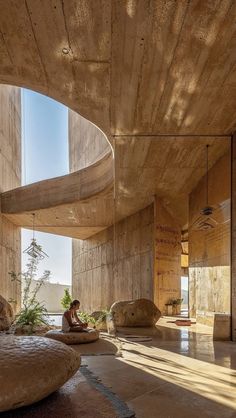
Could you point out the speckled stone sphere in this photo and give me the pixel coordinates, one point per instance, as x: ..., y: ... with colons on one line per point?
x: 31, y: 368
x: 73, y: 337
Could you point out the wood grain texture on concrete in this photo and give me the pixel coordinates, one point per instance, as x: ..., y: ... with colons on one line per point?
x: 167, y: 257
x: 10, y: 177
x: 209, y: 250
x: 131, y: 67
x: 77, y: 205
x: 115, y: 264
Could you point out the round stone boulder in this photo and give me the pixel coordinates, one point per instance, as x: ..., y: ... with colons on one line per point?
x: 6, y: 314
x: 31, y: 368
x: 69, y: 338
x: 135, y: 313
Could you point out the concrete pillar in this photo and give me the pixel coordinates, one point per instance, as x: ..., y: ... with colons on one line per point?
x: 233, y: 235
x: 167, y: 256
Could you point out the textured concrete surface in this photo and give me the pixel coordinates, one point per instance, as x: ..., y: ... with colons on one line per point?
x: 10, y: 177
x: 116, y: 264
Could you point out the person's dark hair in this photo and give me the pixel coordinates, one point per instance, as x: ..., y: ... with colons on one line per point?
x: 74, y: 303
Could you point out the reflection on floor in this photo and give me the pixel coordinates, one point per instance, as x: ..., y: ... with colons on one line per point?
x: 180, y: 373
x: 177, y: 373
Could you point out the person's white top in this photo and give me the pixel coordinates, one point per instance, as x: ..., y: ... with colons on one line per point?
x: 65, y: 324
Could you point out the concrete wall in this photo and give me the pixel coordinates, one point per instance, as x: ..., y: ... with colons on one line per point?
x: 87, y: 143
x: 50, y: 294
x: 209, y: 251
x: 167, y: 267
x: 10, y: 177
x: 99, y: 278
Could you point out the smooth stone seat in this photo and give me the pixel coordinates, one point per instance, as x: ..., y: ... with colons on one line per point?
x: 6, y: 314
x: 31, y: 368
x: 73, y: 337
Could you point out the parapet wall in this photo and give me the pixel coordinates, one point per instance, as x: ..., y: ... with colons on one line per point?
x: 87, y: 143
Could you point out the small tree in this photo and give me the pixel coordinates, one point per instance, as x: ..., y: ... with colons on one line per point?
x: 33, y: 312
x: 66, y: 300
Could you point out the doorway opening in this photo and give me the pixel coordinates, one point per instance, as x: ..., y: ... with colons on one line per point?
x: 184, y: 296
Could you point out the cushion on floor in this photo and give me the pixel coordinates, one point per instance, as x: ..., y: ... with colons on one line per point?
x: 73, y: 337
x: 32, y: 368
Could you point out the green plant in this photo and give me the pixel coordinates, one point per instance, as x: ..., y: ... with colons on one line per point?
x: 179, y: 301
x: 85, y: 317
x: 102, y: 316
x: 66, y: 300
x: 33, y: 312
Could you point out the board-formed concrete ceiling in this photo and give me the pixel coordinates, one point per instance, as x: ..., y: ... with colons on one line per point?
x: 138, y: 69
x: 129, y: 66
x: 167, y: 167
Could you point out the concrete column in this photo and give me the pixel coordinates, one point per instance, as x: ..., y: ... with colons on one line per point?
x: 167, y: 253
x: 233, y: 235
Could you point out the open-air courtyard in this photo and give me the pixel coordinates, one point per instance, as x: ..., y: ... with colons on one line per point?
x: 117, y: 208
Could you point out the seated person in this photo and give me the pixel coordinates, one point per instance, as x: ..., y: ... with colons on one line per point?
x: 71, y: 321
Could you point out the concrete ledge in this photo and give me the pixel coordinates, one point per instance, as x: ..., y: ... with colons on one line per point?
x: 220, y: 322
x: 222, y: 327
x: 73, y: 337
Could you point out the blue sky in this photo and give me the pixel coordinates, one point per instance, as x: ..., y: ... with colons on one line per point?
x: 45, y: 155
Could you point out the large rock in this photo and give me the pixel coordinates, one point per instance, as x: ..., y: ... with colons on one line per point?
x: 100, y: 318
x: 31, y: 368
x: 6, y: 314
x: 69, y: 338
x: 135, y: 313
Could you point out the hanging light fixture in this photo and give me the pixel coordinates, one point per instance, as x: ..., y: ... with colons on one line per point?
x: 205, y: 221
x: 35, y: 250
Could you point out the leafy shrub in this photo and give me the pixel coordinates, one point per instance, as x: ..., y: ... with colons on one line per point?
x: 85, y: 317
x: 33, y: 312
x: 66, y: 300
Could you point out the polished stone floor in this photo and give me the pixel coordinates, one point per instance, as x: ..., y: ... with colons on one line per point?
x: 179, y: 373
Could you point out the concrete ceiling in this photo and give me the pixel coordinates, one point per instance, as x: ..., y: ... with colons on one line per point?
x: 129, y: 66
x: 137, y: 69
x: 167, y: 167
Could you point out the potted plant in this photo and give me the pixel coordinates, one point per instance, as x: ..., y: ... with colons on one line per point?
x: 178, y: 306
x: 174, y: 306
x: 169, y: 308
